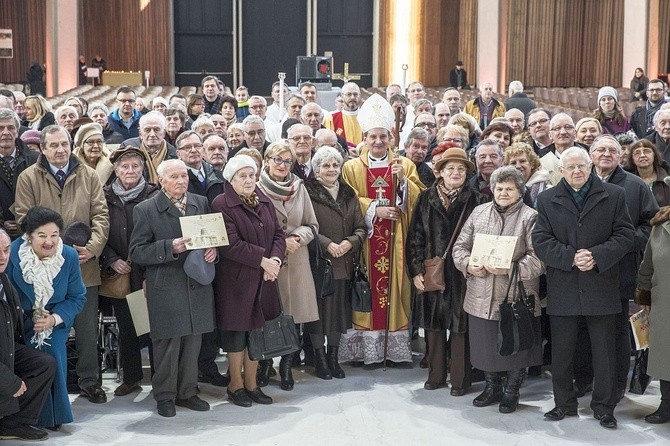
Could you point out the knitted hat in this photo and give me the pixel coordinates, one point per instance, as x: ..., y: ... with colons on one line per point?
x: 236, y: 163
x: 85, y: 132
x: 31, y: 137
x: 161, y: 100
x: 454, y: 154
x: 607, y: 91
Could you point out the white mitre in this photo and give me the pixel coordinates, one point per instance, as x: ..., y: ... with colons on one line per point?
x: 376, y: 113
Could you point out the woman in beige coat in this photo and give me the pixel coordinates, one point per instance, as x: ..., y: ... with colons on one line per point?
x: 653, y: 282
x: 89, y: 147
x: 295, y: 215
x: 486, y: 287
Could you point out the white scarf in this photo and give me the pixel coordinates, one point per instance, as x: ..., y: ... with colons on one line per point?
x: 40, y: 273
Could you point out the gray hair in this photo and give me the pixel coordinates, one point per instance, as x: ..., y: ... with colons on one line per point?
x: 160, y: 117
x: 571, y: 151
x: 183, y: 136
x: 168, y: 164
x: 515, y: 87
x: 306, y: 108
x: 561, y: 115
x: 129, y: 154
x: 50, y: 130
x: 202, y: 120
x: 508, y: 174
x: 657, y: 115
x: 417, y: 133
x: 325, y: 153
x: 422, y: 101
x: 252, y: 119
x: 602, y: 138
x: 261, y: 98
x: 489, y: 142
x: 294, y: 96
x: 98, y: 106
x: 63, y: 109
x: 296, y: 127
x: 6, y: 113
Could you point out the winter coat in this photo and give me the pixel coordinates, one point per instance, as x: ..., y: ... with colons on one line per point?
x: 472, y: 108
x: 338, y: 220
x: 213, y: 183
x: 661, y: 144
x: 485, y: 294
x: 660, y: 190
x: 603, y: 227
x: 520, y: 101
x: 641, y: 118
x: 252, y: 235
x: 24, y: 158
x: 116, y: 123
x: 430, y: 230
x: 81, y: 199
x: 296, y: 284
x: 11, y: 334
x: 178, y: 305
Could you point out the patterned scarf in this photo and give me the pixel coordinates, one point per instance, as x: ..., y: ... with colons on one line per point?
x: 125, y: 195
x: 579, y: 196
x: 180, y: 203
x: 280, y: 190
x: 447, y: 196
x: 253, y: 201
x: 155, y: 160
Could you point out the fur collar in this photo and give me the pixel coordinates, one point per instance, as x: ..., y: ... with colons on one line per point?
x: 320, y: 195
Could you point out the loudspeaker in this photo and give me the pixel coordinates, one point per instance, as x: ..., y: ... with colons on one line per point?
x: 316, y: 69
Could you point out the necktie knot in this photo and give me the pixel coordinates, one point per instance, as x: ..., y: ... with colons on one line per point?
x: 60, y: 177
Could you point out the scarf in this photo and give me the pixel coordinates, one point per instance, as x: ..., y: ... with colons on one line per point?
x: 332, y: 189
x: 447, y: 196
x: 126, y: 195
x: 40, y: 273
x: 579, y: 196
x: 253, y: 201
x: 280, y: 190
x: 155, y: 160
x: 103, y: 167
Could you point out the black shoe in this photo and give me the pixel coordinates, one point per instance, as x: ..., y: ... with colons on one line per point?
x: 166, y: 408
x: 457, y: 391
x: 557, y: 414
x: 510, y: 398
x: 94, y: 394
x: 659, y: 417
x: 320, y: 364
x: 332, y: 358
x: 509, y: 402
x: 285, y: 373
x: 264, y: 372
x: 582, y: 389
x: 492, y: 393
x: 424, y: 363
x: 126, y: 389
x: 193, y: 403
x: 258, y: 396
x: 433, y: 386
x: 215, y: 379
x: 606, y: 420
x: 240, y: 397
x: 22, y: 432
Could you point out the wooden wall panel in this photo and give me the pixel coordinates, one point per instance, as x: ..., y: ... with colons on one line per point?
x: 130, y: 35
x: 27, y: 19
x: 467, y: 39
x: 663, y: 43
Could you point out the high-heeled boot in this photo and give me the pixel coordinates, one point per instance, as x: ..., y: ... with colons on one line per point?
x: 493, y: 391
x: 332, y: 357
x: 263, y: 372
x: 510, y: 398
x: 320, y: 364
x: 285, y: 373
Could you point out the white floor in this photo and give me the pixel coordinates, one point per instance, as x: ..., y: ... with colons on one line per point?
x: 368, y: 407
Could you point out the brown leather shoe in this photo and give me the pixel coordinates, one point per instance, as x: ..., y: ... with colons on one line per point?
x: 433, y: 386
x: 126, y: 389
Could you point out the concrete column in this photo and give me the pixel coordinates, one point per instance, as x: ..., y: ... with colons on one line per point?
x: 488, y: 43
x: 62, y: 45
x: 635, y: 49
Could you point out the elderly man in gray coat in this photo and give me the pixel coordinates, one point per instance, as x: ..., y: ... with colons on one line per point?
x: 583, y: 231
x: 180, y: 308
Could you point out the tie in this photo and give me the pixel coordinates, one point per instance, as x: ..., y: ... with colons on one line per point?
x: 2, y: 292
x: 303, y: 170
x: 9, y: 160
x: 60, y: 177
x: 201, y: 178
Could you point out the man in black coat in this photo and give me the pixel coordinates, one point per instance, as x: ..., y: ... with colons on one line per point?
x: 660, y: 135
x: 15, y: 157
x: 642, y: 118
x: 26, y: 374
x: 583, y: 231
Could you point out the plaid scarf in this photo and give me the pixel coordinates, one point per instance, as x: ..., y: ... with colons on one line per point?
x: 180, y: 203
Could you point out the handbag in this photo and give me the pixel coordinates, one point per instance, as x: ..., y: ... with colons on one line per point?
x: 517, y: 329
x: 433, y: 276
x: 322, y: 268
x: 278, y: 337
x: 116, y: 286
x: 361, y: 294
x: 640, y: 380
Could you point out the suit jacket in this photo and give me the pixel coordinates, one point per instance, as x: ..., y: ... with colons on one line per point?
x: 213, y: 183
x: 603, y: 227
x: 178, y: 305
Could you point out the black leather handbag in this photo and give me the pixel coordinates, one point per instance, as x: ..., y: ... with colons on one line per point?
x: 278, y: 337
x: 322, y: 268
x: 361, y: 295
x: 516, y: 328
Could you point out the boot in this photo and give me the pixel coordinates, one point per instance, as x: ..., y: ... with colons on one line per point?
x: 263, y: 372
x: 493, y: 391
x: 322, y: 370
x: 285, y: 373
x: 510, y: 398
x: 332, y: 358
x: 308, y: 348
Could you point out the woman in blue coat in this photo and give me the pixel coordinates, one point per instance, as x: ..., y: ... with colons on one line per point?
x: 47, y: 276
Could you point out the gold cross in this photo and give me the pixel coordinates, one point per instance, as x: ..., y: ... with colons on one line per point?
x: 345, y: 76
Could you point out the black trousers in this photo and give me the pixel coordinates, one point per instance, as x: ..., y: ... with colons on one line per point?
x: 208, y: 352
x: 37, y: 370
x: 583, y: 359
x: 564, y: 341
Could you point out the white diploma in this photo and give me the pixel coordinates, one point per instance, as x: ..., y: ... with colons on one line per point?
x: 205, y: 231
x: 493, y: 250
x: 552, y: 164
x: 639, y: 322
x: 137, y: 304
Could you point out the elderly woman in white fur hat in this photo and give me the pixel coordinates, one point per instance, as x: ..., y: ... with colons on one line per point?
x: 90, y: 149
x: 609, y: 112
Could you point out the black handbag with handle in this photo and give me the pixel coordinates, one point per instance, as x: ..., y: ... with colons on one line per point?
x: 640, y: 380
x: 278, y: 337
x: 516, y: 328
x: 322, y: 268
x: 361, y: 294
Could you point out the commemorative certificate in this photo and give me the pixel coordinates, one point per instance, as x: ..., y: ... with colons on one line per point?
x: 493, y: 250
x: 205, y: 231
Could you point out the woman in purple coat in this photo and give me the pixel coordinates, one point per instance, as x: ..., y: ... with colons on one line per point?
x: 252, y: 259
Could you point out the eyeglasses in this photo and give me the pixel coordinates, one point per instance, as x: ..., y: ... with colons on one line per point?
x: 566, y: 127
x: 641, y: 152
x: 191, y: 147
x: 95, y: 142
x: 430, y: 125
x: 452, y: 170
x: 258, y: 133
x: 538, y: 122
x: 456, y: 140
x: 279, y: 161
x: 655, y: 90
x: 602, y: 150
x: 126, y: 101
x: 301, y: 138
x: 329, y: 166
x: 573, y: 167
x: 257, y: 107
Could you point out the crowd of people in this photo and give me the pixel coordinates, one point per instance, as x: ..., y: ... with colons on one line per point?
x: 92, y: 200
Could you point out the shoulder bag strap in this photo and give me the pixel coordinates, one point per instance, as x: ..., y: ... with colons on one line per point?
x: 319, y: 252
x: 456, y: 232
x: 512, y: 279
